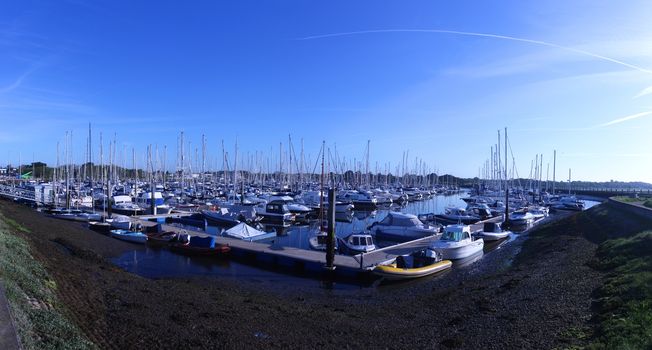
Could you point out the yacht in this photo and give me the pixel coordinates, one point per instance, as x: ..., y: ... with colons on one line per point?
x: 457, y: 243
x: 457, y: 215
x: 401, y: 227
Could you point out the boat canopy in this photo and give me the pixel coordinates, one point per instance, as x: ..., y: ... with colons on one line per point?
x: 400, y: 219
x: 244, y: 231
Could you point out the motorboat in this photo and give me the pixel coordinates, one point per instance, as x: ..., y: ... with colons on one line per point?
x: 275, y: 212
x: 123, y: 205
x: 144, y: 200
x: 73, y: 215
x: 223, y: 217
x: 100, y: 227
x: 566, y: 203
x: 358, y: 199
x: 479, y: 210
x: 312, y: 200
x: 293, y: 207
x: 356, y: 243
x: 539, y: 212
x: 401, y: 227
x: 129, y: 236
x: 245, y: 232
x: 457, y: 215
x: 457, y: 242
x: 415, y: 265
x: 121, y: 222
x: 413, y: 194
x: 521, y: 217
x: 492, y: 231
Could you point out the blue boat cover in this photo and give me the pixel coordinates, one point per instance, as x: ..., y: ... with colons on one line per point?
x: 205, y: 242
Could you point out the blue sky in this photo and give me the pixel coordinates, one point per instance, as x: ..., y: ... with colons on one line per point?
x: 435, y: 78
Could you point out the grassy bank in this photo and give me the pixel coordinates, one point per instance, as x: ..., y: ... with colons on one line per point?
x: 32, y: 295
x: 623, y: 305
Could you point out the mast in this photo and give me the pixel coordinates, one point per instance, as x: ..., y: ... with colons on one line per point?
x: 366, y: 169
x: 506, y: 187
x: 554, y: 167
x: 321, y: 191
x: 500, y: 175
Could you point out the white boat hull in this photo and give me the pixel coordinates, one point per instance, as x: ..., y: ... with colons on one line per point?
x: 460, y: 252
x: 494, y: 236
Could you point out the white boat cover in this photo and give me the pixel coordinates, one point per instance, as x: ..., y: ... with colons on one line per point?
x: 244, y: 231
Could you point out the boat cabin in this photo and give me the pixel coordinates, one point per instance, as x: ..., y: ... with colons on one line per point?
x: 360, y: 240
x: 277, y: 208
x: 145, y: 198
x: 456, y: 233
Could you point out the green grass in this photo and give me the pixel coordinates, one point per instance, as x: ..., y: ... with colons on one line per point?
x: 14, y: 225
x: 648, y: 203
x: 625, y: 300
x: 32, y: 295
x: 627, y: 199
x: 623, y: 311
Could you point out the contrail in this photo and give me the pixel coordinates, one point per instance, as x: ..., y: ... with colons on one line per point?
x: 624, y: 119
x: 644, y: 92
x: 484, y: 35
x: 17, y: 82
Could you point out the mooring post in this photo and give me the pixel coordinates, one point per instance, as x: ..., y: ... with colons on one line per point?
x: 152, y: 200
x: 330, y: 244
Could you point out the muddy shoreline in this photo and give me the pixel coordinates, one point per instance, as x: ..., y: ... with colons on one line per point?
x: 494, y: 303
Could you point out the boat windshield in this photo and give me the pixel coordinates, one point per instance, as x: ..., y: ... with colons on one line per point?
x: 453, y: 236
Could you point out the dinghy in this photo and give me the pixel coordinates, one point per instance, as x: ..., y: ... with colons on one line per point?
x: 418, y: 264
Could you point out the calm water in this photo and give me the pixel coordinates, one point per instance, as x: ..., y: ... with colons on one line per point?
x: 161, y: 263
